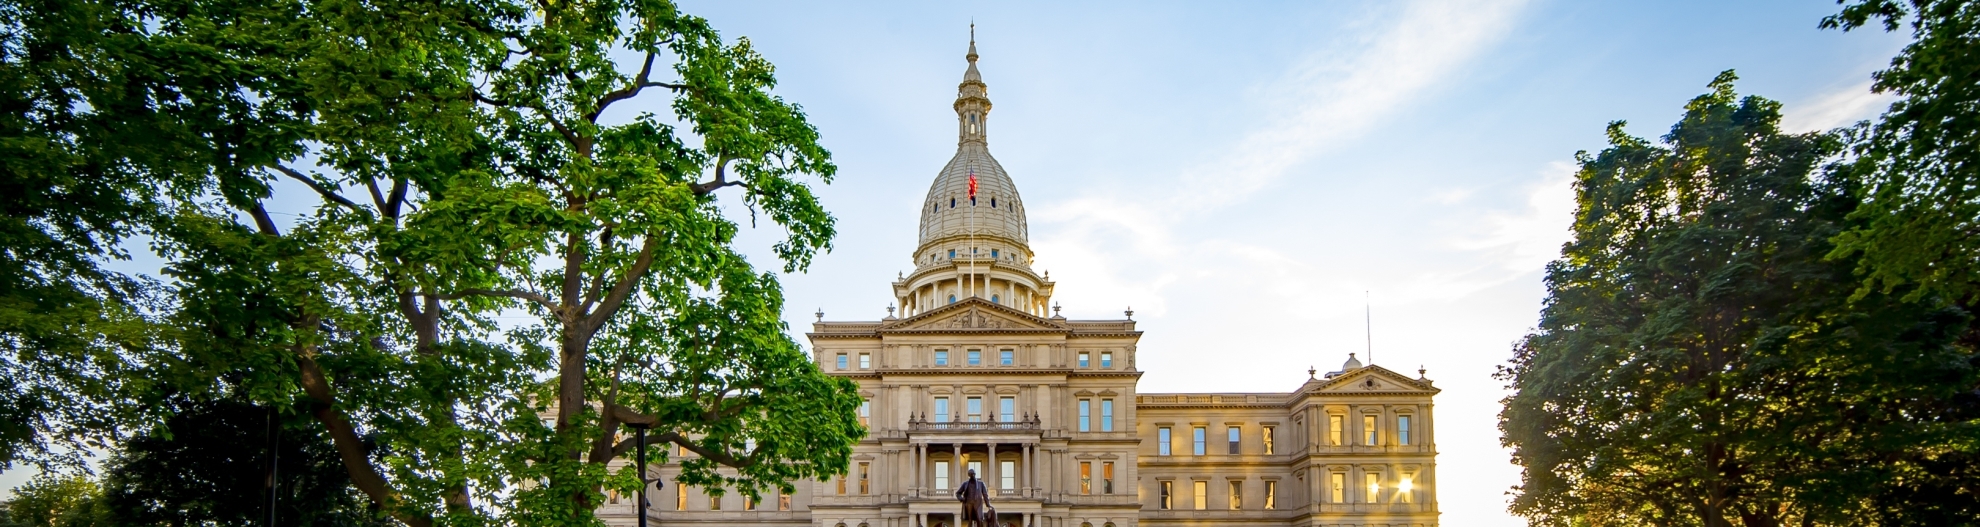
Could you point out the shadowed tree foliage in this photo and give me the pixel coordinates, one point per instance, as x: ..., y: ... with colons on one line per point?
x: 1700, y: 362
x: 208, y: 465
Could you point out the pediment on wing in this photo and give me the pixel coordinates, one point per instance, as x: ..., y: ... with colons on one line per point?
x: 973, y: 314
x: 1373, y: 379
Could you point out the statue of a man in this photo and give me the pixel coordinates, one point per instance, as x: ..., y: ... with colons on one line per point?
x: 975, y: 498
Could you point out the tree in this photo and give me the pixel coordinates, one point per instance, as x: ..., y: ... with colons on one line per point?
x: 1700, y: 362
x: 57, y: 501
x: 208, y: 465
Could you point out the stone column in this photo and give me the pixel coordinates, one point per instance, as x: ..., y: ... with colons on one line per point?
x: 961, y: 471
x: 990, y: 468
x: 920, y: 461
x: 1024, y: 453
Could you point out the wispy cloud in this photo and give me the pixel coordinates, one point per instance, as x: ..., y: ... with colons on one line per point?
x: 1838, y: 108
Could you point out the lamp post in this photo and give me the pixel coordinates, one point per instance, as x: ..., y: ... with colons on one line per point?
x: 639, y: 448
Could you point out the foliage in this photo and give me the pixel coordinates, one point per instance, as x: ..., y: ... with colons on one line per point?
x: 58, y: 501
x: 1921, y: 216
x: 437, y: 164
x: 1700, y: 362
x: 208, y: 465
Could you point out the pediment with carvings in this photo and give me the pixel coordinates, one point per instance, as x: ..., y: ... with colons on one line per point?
x: 1373, y: 379
x: 974, y: 314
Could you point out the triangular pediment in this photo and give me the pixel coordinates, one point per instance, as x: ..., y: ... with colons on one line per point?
x: 973, y: 314
x: 1373, y: 379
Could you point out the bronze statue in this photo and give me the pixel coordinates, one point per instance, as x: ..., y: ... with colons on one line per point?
x: 975, y: 498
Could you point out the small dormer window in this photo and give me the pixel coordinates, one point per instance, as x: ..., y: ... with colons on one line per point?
x: 993, y: 203
x: 993, y: 299
x: 952, y: 299
x: 993, y: 253
x: 952, y: 203
x: 952, y: 254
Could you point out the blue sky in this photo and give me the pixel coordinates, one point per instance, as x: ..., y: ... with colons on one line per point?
x: 1241, y: 173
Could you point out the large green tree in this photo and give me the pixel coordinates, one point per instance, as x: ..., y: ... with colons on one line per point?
x: 366, y: 187
x: 1700, y: 362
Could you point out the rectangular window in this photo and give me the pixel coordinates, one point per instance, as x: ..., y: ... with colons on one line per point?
x: 942, y: 475
x: 1007, y: 473
x: 749, y: 504
x: 1085, y: 415
x: 1334, y: 429
x: 1107, y: 477
x: 783, y: 502
x: 941, y: 357
x: 714, y: 502
x: 1368, y: 430
x: 941, y: 409
x: 865, y: 411
x: 680, y: 496
x: 1340, y: 487
x: 1083, y: 358
x: 842, y: 484
x: 1271, y: 495
x: 1405, y: 487
x: 975, y: 357
x: 1201, y: 491
x: 1237, y: 495
x: 1162, y: 441
x: 1106, y: 359
x: 1374, y: 483
x: 1200, y: 442
x: 1086, y: 477
x: 975, y: 409
x: 1266, y: 435
x: 1233, y: 438
x: 1006, y: 358
x: 866, y: 361
x: 865, y: 479
x: 1168, y: 493
x: 1007, y: 409
x: 842, y: 361
x: 974, y: 466
x: 1402, y: 430
x: 1106, y: 415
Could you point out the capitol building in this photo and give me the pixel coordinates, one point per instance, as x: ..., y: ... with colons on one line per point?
x: 978, y: 371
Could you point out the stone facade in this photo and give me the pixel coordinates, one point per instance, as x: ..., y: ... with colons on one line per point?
x: 979, y: 373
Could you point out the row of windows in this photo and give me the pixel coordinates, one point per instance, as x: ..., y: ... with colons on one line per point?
x: 1372, y: 488
x: 1199, y: 440
x: 1006, y: 409
x: 975, y: 358
x: 1200, y: 490
x: 1086, y: 415
x: 715, y: 502
x: 1371, y: 434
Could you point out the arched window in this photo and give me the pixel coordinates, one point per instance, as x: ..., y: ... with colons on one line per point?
x: 993, y: 299
x: 952, y: 203
x: 993, y: 203
x: 952, y: 299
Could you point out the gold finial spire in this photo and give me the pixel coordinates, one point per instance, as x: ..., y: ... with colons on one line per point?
x: 972, y: 41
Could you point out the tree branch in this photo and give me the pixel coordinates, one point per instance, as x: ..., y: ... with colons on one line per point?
x: 262, y: 221
x: 639, y: 84
x: 350, y: 448
x: 518, y: 294
x: 721, y: 178
x: 624, y: 288
x: 628, y: 416
x: 326, y: 192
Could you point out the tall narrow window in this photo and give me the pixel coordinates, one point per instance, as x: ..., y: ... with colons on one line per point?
x: 1340, y: 487
x: 975, y: 409
x: 1168, y: 494
x: 1007, y: 473
x: 1086, y: 477
x: 749, y: 504
x: 866, y: 361
x: 1402, y: 430
x: 865, y: 412
x: 1085, y: 415
x: 1201, y: 442
x: 842, y: 484
x: 941, y: 409
x: 975, y: 357
x: 941, y: 357
x: 865, y: 478
x: 1006, y: 358
x: 1271, y: 495
x: 993, y: 204
x: 1162, y: 441
x: 1106, y: 359
x: 1266, y: 435
x: 1368, y: 430
x: 680, y: 496
x: 1233, y: 438
x: 842, y: 361
x: 1405, y: 487
x: 1107, y: 477
x: 783, y: 502
x: 1334, y: 430
x: 1106, y: 415
x: 1237, y: 495
x: 942, y: 475
x: 1084, y: 358
x: 714, y: 502
x: 1201, y: 491
x: 974, y: 466
x: 952, y: 298
x: 1374, y: 484
x: 1007, y: 409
